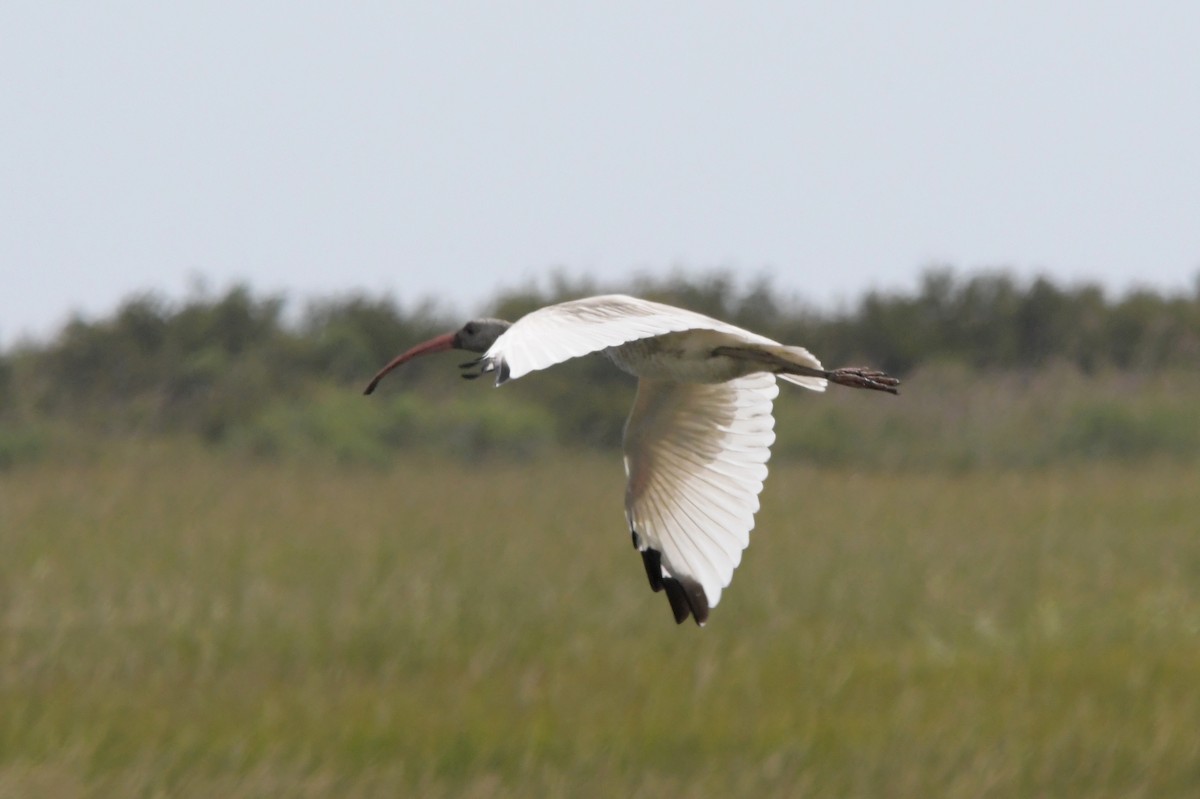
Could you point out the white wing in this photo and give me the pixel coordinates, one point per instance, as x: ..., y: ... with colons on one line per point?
x: 568, y: 330
x: 696, y: 457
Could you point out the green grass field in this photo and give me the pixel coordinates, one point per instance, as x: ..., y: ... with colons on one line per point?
x: 174, y: 622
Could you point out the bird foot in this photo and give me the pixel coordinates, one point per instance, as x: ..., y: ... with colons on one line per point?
x: 479, y: 363
x: 858, y: 377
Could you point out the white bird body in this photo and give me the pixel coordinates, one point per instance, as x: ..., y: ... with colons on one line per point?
x: 644, y: 338
x: 686, y: 357
x: 698, y: 438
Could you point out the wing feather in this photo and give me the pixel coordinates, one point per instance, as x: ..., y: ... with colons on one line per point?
x: 695, y: 455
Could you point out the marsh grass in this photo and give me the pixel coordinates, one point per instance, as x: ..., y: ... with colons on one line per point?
x: 175, y: 622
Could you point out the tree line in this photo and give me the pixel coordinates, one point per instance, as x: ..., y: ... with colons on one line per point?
x: 212, y: 363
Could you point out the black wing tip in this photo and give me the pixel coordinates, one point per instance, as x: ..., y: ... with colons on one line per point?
x: 653, y: 563
x: 686, y: 596
x: 678, y: 600
x: 696, y: 598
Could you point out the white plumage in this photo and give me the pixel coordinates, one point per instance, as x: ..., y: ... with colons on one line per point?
x: 699, y: 435
x: 568, y: 330
x: 696, y: 458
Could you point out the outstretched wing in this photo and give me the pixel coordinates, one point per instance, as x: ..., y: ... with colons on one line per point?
x: 568, y: 330
x: 696, y: 457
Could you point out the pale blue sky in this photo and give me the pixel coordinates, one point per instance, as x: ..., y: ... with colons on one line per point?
x: 448, y: 149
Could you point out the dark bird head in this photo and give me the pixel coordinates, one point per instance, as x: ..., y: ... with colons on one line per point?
x: 475, y: 336
x: 479, y: 335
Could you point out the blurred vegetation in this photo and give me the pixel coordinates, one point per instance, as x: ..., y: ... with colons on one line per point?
x: 181, y: 622
x: 228, y: 573
x: 998, y: 371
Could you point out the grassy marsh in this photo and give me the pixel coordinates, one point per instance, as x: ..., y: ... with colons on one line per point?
x: 174, y: 621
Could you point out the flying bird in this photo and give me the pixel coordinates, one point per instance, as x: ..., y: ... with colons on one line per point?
x: 698, y: 438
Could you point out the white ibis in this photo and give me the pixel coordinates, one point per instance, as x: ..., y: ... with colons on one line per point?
x: 699, y: 435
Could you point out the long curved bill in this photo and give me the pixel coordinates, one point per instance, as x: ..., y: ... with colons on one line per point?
x: 440, y: 344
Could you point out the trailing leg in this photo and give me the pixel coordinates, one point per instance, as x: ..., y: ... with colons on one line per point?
x: 851, y: 376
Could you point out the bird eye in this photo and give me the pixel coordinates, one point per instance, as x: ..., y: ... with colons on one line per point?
x: 469, y: 329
